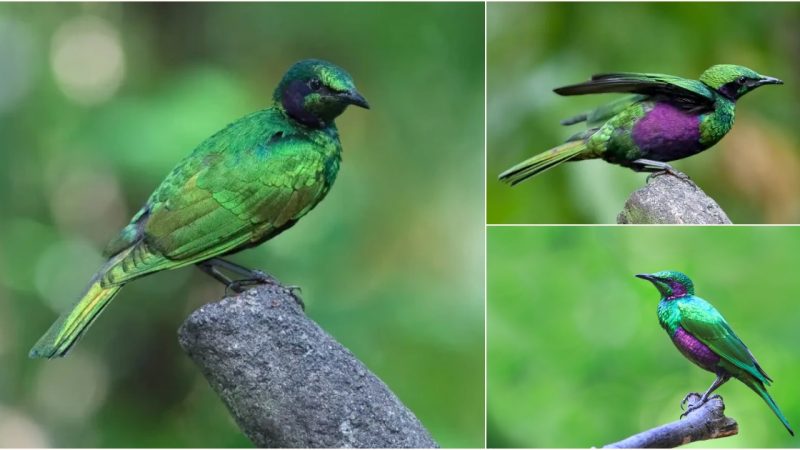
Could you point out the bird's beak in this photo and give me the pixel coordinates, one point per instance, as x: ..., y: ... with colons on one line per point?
x: 768, y: 80
x: 645, y: 276
x: 354, y: 98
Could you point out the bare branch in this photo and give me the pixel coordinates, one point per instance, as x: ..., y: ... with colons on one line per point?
x: 706, y: 422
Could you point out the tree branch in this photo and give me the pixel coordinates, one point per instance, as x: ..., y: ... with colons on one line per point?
x: 707, y: 422
x: 667, y: 199
x: 287, y: 382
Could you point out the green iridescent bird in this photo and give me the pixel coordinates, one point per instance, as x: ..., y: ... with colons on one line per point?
x: 239, y: 188
x: 703, y: 336
x: 668, y: 118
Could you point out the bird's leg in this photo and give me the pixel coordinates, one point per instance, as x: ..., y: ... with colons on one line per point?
x: 658, y: 168
x: 252, y: 277
x: 721, y: 379
x: 214, y: 273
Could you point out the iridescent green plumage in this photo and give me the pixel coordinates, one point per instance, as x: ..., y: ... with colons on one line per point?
x: 239, y: 188
x: 701, y: 334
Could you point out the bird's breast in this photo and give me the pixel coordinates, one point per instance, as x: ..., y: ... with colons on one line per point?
x: 715, y: 125
x: 667, y: 133
x: 694, y: 350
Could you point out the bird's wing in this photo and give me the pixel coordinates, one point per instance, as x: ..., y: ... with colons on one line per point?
x: 266, y: 190
x: 600, y: 115
x: 705, y: 323
x: 223, y: 200
x: 690, y: 94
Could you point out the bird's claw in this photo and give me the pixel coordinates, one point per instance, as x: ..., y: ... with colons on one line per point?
x: 686, y: 399
x: 681, y: 176
x: 691, y: 408
x: 264, y: 278
x: 239, y: 286
x: 293, y: 290
x: 670, y: 171
x: 257, y: 277
x: 688, y: 408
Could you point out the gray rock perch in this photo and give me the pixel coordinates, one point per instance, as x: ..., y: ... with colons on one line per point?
x: 667, y: 199
x: 288, y: 383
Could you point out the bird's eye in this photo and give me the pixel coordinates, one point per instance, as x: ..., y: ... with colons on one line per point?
x: 742, y: 80
x: 315, y: 84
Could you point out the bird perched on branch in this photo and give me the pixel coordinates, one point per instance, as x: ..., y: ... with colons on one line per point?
x: 239, y: 188
x: 668, y: 118
x: 703, y: 336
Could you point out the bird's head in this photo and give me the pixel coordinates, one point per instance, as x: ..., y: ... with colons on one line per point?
x: 734, y: 81
x: 670, y: 284
x: 314, y: 92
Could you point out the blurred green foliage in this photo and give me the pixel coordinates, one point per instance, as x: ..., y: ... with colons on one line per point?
x: 576, y: 357
x: 99, y: 101
x: 753, y: 173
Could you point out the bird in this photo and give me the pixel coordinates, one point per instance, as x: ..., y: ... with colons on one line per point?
x: 242, y: 186
x: 667, y: 118
x: 703, y: 336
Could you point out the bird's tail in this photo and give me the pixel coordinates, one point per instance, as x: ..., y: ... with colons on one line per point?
x: 71, y: 325
x: 759, y: 388
x: 542, y: 162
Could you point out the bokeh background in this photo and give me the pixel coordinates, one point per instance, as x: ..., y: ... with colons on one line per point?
x: 576, y: 355
x: 98, y: 102
x: 753, y: 173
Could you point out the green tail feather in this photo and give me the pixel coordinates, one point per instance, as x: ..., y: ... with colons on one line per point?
x: 759, y: 388
x: 542, y: 162
x: 71, y: 325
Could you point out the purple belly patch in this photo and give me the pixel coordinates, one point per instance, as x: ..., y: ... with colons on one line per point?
x: 666, y: 133
x: 695, y: 350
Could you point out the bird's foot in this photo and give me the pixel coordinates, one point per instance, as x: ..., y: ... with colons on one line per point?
x: 658, y: 168
x: 686, y: 399
x: 256, y: 277
x: 670, y: 171
x: 679, y: 175
x: 239, y: 286
x: 293, y: 291
x: 701, y: 400
x: 252, y: 277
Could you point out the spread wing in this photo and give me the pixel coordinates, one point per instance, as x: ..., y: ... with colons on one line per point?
x: 690, y: 94
x: 704, y: 322
x: 229, y: 194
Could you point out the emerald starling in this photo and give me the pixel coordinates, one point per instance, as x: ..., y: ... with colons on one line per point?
x: 242, y: 186
x: 703, y: 336
x: 667, y: 118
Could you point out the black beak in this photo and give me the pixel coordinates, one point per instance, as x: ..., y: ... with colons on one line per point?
x: 354, y: 98
x: 768, y: 80
x: 646, y: 276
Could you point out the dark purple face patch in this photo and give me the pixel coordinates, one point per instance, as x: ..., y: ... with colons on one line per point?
x: 730, y: 90
x: 293, y: 101
x: 678, y: 289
